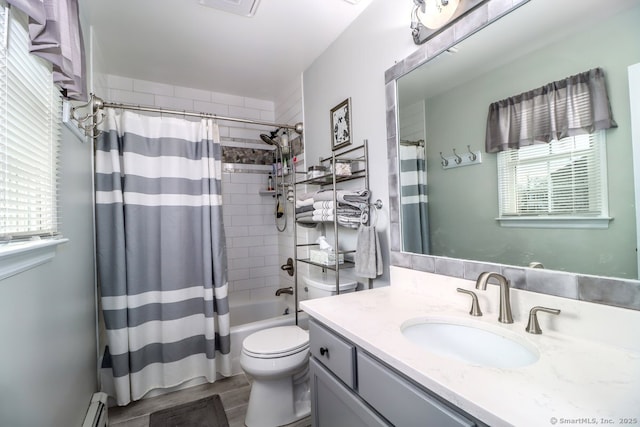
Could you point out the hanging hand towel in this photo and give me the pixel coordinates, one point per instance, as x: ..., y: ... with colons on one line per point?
x: 368, y: 258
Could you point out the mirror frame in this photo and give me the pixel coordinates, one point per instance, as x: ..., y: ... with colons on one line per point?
x: 622, y: 293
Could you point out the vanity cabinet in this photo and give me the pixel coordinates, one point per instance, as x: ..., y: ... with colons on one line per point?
x: 335, y: 405
x: 351, y: 388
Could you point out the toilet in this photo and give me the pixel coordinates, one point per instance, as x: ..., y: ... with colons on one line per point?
x: 319, y: 287
x: 278, y: 361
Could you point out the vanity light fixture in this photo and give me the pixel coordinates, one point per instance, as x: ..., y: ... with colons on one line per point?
x: 433, y: 14
x: 429, y: 17
x: 239, y: 7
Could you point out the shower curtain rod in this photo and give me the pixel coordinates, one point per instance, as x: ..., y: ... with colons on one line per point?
x: 193, y: 114
x: 96, y: 103
x: 419, y: 142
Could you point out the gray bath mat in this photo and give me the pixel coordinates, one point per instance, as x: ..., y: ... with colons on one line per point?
x: 207, y: 412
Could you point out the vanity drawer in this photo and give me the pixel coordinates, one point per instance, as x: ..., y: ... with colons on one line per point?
x: 333, y: 352
x: 399, y: 401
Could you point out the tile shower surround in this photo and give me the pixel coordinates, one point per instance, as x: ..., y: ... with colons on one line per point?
x: 253, y: 252
x: 255, y: 156
x: 602, y: 290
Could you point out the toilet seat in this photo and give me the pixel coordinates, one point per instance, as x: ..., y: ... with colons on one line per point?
x: 276, y: 342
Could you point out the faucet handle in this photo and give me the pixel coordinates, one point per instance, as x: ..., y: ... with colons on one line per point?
x: 475, y: 307
x: 533, y: 327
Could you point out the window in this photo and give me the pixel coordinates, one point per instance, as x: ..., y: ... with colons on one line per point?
x: 556, y: 184
x: 30, y: 109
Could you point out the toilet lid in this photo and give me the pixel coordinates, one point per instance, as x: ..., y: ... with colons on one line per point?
x: 276, y: 342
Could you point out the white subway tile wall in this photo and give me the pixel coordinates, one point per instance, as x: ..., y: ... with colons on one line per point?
x: 255, y: 249
x: 153, y: 94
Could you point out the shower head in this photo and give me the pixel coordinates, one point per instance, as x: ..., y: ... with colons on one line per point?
x: 271, y: 139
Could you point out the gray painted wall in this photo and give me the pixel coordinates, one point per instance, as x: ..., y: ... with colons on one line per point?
x: 47, y: 315
x: 374, y: 50
x: 463, y: 201
x: 354, y: 66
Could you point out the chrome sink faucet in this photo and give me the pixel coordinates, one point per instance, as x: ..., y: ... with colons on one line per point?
x: 505, y: 315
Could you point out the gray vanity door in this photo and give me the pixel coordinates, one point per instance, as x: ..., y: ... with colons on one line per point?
x: 400, y: 401
x: 334, y: 405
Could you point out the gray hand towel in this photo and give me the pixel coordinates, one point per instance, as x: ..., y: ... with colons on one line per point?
x: 368, y: 258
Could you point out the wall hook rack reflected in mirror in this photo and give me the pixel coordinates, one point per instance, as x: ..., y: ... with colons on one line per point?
x: 463, y: 159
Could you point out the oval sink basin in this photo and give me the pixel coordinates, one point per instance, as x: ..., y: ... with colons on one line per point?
x: 470, y: 342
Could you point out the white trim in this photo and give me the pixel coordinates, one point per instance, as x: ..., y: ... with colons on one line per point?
x: 66, y: 120
x: 555, y: 222
x: 634, y: 96
x: 21, y: 256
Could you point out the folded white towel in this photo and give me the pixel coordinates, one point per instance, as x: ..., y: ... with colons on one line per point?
x: 307, y: 214
x: 305, y: 202
x: 344, y: 196
x: 368, y: 257
x: 353, y: 198
x: 324, y: 204
x: 325, y: 212
x: 321, y: 217
x: 326, y: 195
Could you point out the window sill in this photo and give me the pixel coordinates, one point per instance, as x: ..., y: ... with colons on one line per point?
x: 21, y: 256
x: 555, y: 222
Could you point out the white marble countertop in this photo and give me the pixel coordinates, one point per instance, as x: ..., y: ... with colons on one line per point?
x: 575, y: 380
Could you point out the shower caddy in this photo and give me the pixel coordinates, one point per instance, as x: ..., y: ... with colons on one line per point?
x: 358, y: 155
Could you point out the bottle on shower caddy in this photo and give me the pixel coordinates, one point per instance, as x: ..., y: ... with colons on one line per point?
x: 270, y: 183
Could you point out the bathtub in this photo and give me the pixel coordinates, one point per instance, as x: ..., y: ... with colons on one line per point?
x: 249, y: 317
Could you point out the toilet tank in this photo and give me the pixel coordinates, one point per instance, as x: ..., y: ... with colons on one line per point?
x: 323, y: 287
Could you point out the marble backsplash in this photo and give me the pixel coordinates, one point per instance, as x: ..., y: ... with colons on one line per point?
x: 255, y: 156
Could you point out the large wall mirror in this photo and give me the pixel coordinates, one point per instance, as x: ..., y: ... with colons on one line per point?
x: 442, y: 106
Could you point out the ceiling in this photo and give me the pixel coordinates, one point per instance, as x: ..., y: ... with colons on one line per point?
x: 184, y: 43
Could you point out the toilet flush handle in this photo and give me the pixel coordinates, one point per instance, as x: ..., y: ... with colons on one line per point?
x: 324, y: 351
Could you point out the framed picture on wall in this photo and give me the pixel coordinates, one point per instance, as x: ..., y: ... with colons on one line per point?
x: 341, y: 125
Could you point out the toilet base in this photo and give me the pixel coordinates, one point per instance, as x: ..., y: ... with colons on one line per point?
x: 278, y: 402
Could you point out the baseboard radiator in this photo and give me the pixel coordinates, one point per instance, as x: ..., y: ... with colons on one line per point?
x: 97, y: 412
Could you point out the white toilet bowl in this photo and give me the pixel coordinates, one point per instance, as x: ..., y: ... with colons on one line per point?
x: 277, y: 360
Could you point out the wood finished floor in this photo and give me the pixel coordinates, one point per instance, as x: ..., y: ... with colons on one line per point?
x: 233, y: 391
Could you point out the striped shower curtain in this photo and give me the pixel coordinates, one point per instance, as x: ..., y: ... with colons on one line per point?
x: 413, y: 199
x: 161, y: 253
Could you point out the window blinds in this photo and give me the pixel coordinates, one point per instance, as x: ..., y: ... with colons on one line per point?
x: 565, y: 177
x: 29, y: 135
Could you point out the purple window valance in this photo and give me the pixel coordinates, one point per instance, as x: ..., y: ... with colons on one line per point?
x: 56, y: 36
x: 573, y: 106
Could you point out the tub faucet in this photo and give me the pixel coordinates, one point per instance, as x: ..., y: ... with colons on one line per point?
x: 281, y: 291
x: 505, y: 315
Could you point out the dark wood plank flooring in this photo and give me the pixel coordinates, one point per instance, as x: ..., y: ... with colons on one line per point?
x: 234, y: 393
